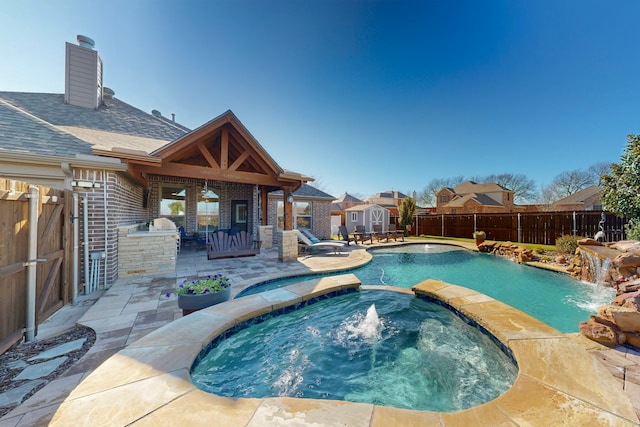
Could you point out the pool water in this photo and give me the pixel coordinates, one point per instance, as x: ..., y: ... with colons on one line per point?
x: 554, y: 298
x: 405, y: 353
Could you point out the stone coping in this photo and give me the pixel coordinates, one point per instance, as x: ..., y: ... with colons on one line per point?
x: 148, y: 382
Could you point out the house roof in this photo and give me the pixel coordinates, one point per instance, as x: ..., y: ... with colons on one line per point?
x: 364, y: 207
x: 42, y: 124
x: 473, y: 187
x: 481, y: 199
x: 348, y: 198
x: 389, y: 194
x: 114, y: 124
x: 306, y: 191
x: 580, y: 196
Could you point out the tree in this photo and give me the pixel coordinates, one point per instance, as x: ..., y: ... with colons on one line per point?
x: 621, y: 187
x: 177, y: 208
x: 570, y: 182
x: 407, y: 209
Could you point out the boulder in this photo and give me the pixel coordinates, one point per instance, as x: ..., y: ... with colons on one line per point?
x: 589, y: 242
x: 561, y: 259
x: 624, y: 245
x: 627, y: 319
x: 603, y: 334
x: 630, y: 286
x: 627, y: 260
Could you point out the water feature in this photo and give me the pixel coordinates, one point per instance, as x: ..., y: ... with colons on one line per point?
x: 554, y: 298
x: 379, y: 347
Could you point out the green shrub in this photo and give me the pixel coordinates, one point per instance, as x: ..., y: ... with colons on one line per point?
x: 633, y: 229
x: 545, y: 258
x: 539, y: 250
x: 567, y: 244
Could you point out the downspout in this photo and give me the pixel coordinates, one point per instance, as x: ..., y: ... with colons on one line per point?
x: 85, y: 226
x: 76, y: 248
x: 32, y: 254
x: 106, y: 226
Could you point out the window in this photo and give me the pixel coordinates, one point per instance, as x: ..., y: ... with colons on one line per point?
x: 444, y: 198
x: 302, y: 214
x: 280, y: 213
x: 172, y: 204
x: 354, y: 216
x: 208, y: 210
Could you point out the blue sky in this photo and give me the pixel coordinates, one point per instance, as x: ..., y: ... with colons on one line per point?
x: 363, y: 96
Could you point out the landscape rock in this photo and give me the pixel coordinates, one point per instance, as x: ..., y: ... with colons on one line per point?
x: 589, y: 242
x: 627, y: 260
x: 626, y: 319
x: 603, y: 334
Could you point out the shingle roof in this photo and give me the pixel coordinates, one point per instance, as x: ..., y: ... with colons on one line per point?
x: 346, y: 197
x: 580, y: 196
x: 74, y: 129
x: 481, y: 199
x: 25, y: 133
x: 307, y: 191
x: 472, y: 187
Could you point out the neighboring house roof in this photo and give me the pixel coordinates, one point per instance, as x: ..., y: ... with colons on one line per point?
x: 472, y: 187
x: 481, y: 199
x: 389, y: 194
x: 580, y: 197
x: 360, y: 208
x: 348, y: 198
x: 306, y: 191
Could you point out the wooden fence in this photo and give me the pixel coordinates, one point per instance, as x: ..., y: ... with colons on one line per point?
x: 53, y: 263
x: 531, y: 227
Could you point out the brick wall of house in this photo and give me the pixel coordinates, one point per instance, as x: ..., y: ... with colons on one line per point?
x: 321, y: 219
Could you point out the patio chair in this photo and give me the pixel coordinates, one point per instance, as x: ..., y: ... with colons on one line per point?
x: 314, y: 239
x: 395, y: 233
x: 378, y: 234
x: 307, y: 245
x: 361, y: 234
x: 344, y: 235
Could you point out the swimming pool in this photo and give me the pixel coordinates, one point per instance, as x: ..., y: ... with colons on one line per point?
x: 554, y: 298
x: 379, y: 347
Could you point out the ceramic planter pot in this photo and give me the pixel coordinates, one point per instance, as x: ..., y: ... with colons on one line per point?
x: 194, y: 302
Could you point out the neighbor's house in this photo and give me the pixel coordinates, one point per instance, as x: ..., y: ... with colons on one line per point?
x: 470, y: 197
x: 584, y: 200
x: 130, y: 167
x: 367, y: 215
x: 339, y: 209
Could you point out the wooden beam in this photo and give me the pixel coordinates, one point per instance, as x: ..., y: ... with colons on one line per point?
x: 224, y: 149
x: 203, y: 172
x: 239, y: 161
x: 207, y: 155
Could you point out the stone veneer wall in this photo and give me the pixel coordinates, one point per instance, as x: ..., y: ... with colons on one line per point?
x: 265, y: 235
x: 142, y: 252
x: 288, y: 248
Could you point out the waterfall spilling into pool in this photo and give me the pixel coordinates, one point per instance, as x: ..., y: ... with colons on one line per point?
x: 380, y: 347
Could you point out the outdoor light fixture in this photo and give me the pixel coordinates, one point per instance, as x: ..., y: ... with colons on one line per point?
x: 290, y: 197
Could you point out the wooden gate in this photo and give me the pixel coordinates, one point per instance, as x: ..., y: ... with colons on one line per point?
x: 54, y: 256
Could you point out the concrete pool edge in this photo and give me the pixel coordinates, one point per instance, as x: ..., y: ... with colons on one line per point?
x: 148, y: 382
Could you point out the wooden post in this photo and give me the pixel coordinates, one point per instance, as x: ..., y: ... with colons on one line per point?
x: 288, y: 209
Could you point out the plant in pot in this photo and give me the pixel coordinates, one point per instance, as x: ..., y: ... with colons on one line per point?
x: 198, y: 294
x: 479, y: 236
